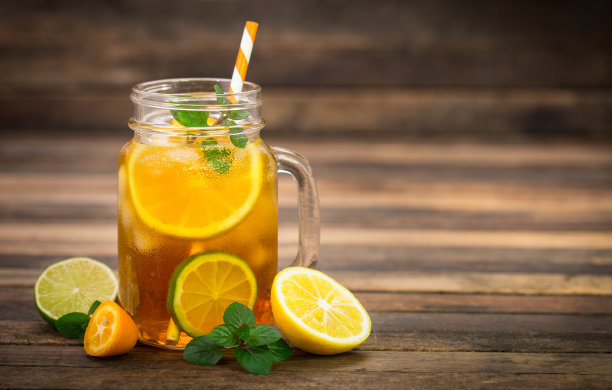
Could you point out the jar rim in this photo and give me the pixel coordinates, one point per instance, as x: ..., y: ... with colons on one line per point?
x: 160, y: 94
x: 158, y: 103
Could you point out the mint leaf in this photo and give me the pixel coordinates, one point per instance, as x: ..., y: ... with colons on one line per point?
x: 261, y: 348
x: 243, y: 332
x: 191, y: 118
x: 256, y: 360
x: 239, y: 114
x: 93, y: 307
x: 219, y: 158
x: 203, y: 351
x: 72, y: 325
x: 280, y: 350
x: 261, y: 335
x: 225, y: 335
x: 237, y: 315
x: 238, y: 138
x: 220, y: 98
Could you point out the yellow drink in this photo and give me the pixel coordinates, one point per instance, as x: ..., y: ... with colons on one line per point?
x: 197, y: 182
x: 173, y: 203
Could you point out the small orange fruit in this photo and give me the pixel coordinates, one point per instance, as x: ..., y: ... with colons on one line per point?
x: 111, y: 331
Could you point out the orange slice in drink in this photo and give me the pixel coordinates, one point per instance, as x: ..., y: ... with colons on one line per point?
x: 204, y: 285
x: 177, y: 191
x: 111, y: 331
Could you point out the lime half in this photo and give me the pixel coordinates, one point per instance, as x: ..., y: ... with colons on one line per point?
x: 72, y: 285
x: 204, y: 285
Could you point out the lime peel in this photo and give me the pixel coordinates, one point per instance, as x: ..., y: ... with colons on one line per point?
x: 219, y: 291
x: 72, y: 285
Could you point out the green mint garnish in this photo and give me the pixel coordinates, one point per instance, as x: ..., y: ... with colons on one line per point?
x: 260, y: 335
x: 239, y: 114
x: 256, y: 347
x: 238, y: 138
x: 225, y: 335
x: 256, y: 360
x: 203, y: 351
x: 237, y: 315
x: 191, y: 118
x: 219, y: 158
x: 188, y: 117
x: 280, y: 350
x: 221, y: 99
x: 93, y: 307
x: 73, y: 325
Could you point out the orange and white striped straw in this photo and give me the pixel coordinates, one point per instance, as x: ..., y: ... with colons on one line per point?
x: 242, y: 61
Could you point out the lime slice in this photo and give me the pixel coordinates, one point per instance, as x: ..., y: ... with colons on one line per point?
x: 72, y: 285
x: 204, y: 285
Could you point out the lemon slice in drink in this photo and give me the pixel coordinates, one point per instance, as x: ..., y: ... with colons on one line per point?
x: 204, y: 285
x: 175, y: 190
x: 316, y: 313
x: 72, y: 285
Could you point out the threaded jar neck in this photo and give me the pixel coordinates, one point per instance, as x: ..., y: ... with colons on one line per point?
x: 192, y: 107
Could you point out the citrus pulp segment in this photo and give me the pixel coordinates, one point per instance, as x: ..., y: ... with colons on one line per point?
x: 176, y: 191
x: 72, y: 285
x: 111, y: 331
x: 316, y: 313
x: 204, y: 285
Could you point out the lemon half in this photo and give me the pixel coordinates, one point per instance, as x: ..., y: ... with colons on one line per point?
x: 316, y: 313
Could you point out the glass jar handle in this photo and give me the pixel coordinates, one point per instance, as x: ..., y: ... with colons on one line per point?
x: 298, y: 167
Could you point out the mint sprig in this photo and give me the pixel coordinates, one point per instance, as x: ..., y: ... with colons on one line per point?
x: 73, y: 325
x: 190, y: 118
x: 219, y: 158
x: 221, y: 99
x: 238, y: 138
x: 256, y: 347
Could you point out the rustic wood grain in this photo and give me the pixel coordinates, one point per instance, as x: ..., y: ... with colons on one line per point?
x: 358, y: 361
x: 480, y: 264
x: 419, y: 339
x: 17, y: 301
x: 517, y: 114
x: 463, y: 199
x: 409, y: 69
x: 392, y: 43
x: 386, y: 370
x: 102, y: 379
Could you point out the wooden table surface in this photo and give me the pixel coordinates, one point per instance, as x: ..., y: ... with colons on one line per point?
x: 481, y: 265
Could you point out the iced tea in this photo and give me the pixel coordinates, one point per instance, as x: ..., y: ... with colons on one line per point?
x: 152, y: 242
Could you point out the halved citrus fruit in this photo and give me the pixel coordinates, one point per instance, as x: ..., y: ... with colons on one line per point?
x: 177, y: 191
x: 72, y: 285
x: 316, y: 313
x: 204, y: 285
x: 111, y: 331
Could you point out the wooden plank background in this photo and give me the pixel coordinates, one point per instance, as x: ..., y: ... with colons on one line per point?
x: 410, y: 69
x: 462, y: 152
x: 481, y: 265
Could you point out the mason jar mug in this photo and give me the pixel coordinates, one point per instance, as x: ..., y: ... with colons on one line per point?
x: 197, y: 181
